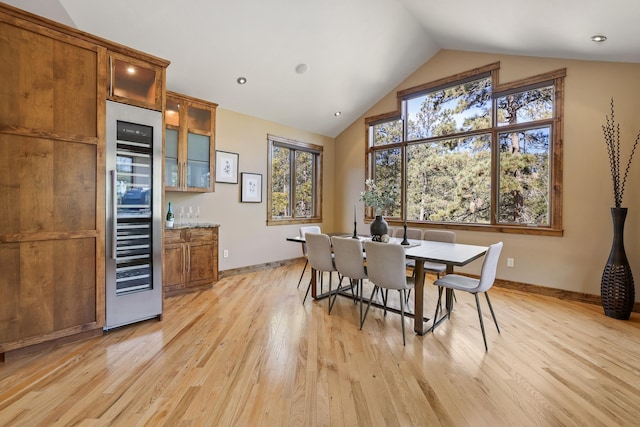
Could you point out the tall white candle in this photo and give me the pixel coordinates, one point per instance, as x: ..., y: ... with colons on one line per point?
x: 354, y: 212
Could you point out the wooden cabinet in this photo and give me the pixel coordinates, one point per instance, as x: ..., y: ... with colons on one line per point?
x: 51, y: 186
x: 52, y: 176
x: 189, y: 144
x: 190, y: 259
x: 134, y: 81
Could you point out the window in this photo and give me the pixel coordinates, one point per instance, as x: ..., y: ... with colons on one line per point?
x: 294, y: 182
x: 466, y: 151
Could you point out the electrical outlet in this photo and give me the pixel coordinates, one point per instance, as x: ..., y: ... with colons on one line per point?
x: 225, y: 253
x: 509, y: 262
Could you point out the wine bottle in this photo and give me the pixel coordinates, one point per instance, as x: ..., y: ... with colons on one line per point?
x: 169, y: 221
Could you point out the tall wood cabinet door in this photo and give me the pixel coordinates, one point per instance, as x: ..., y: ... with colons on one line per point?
x: 51, y: 188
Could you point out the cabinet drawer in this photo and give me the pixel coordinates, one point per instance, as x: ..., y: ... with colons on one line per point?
x: 173, y: 236
x: 201, y: 234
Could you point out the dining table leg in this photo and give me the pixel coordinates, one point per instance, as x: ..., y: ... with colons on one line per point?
x: 418, y: 310
x: 448, y: 295
x: 314, y: 293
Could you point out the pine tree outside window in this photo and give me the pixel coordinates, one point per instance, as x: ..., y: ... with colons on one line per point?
x: 294, y: 182
x: 472, y: 153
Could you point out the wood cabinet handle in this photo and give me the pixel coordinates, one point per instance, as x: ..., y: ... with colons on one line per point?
x: 189, y: 265
x: 183, y: 260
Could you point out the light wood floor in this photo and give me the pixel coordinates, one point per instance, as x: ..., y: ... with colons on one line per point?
x: 248, y: 353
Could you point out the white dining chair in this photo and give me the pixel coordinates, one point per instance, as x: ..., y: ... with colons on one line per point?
x: 412, y: 233
x: 349, y: 261
x: 473, y: 286
x: 320, y: 257
x: 434, y: 267
x: 386, y: 269
x: 304, y: 230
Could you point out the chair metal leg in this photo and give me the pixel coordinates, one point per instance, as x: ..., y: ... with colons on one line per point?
x: 335, y: 294
x: 308, y: 288
x: 484, y: 337
x: 334, y: 299
x: 486, y: 294
x: 438, y: 306
x: 353, y: 294
x: 303, y: 270
x: 361, y: 290
x: 385, y: 294
x: 403, y: 295
x: 375, y: 288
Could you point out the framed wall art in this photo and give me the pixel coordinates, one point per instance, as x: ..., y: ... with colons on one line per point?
x: 251, y: 191
x: 227, y: 167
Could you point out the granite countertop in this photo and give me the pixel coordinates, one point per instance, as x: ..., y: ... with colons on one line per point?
x: 200, y: 225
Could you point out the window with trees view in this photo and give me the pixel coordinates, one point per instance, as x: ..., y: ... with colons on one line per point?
x: 294, y: 181
x: 468, y: 151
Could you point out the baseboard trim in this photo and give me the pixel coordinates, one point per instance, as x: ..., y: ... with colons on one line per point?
x: 556, y: 293
x: 507, y: 284
x: 258, y: 267
x: 49, y: 345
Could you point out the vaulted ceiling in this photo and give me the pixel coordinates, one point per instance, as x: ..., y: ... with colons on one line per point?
x: 356, y: 51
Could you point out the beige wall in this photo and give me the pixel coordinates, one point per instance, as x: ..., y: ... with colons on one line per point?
x: 576, y: 260
x: 243, y: 229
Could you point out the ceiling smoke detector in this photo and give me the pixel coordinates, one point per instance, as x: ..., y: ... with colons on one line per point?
x: 302, y: 68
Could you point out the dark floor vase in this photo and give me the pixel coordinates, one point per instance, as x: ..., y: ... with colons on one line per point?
x: 378, y: 227
x: 617, y: 289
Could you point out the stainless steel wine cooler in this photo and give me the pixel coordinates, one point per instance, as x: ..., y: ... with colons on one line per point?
x: 133, y: 215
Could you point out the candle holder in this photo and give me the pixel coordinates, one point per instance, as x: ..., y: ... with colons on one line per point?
x: 355, y: 223
x: 404, y: 238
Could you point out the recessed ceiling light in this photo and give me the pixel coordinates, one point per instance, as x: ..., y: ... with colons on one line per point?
x: 131, y: 69
x: 302, y: 68
x: 598, y: 38
x: 241, y: 80
x: 337, y: 113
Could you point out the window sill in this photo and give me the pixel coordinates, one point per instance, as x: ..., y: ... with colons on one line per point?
x: 289, y: 221
x: 511, y: 229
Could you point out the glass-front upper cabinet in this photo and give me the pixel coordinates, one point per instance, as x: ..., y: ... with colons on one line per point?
x: 189, y: 143
x: 135, y: 82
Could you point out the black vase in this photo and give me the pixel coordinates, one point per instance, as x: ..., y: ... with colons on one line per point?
x: 617, y: 289
x: 378, y: 227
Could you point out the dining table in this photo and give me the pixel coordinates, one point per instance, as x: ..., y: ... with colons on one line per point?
x: 450, y: 254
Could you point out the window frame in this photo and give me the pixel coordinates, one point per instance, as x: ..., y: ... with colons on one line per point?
x: 553, y: 78
x: 295, y: 146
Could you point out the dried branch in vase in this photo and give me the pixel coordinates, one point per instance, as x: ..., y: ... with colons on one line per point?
x: 611, y: 131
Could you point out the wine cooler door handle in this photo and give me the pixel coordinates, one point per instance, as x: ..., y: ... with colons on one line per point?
x: 114, y: 216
